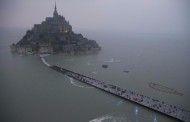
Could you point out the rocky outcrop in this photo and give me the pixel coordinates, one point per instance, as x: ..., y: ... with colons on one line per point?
x: 54, y: 35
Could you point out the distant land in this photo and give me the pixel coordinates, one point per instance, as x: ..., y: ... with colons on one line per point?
x: 54, y: 35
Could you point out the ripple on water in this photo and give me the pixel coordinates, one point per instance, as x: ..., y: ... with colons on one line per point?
x: 110, y: 118
x: 77, y: 85
x: 112, y: 60
x: 94, y: 72
x: 165, y: 89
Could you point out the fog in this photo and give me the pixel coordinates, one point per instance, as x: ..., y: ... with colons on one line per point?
x: 147, y: 16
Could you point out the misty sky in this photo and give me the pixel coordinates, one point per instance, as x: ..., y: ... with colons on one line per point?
x: 155, y: 16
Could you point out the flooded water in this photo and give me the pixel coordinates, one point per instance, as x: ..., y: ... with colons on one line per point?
x: 30, y: 91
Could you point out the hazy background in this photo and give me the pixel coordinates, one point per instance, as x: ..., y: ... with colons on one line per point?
x: 144, y: 16
x: 153, y: 37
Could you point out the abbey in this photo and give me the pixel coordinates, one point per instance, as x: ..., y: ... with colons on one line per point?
x: 54, y: 35
x: 54, y: 24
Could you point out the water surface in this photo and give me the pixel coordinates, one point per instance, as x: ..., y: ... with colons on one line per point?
x: 30, y: 91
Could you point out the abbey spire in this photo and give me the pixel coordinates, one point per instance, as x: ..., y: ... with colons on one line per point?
x: 55, y: 13
x: 55, y: 6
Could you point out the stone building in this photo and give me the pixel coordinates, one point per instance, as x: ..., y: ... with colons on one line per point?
x: 54, y: 24
x: 45, y: 48
x: 26, y: 49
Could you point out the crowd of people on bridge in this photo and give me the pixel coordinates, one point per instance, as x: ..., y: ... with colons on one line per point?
x: 155, y: 104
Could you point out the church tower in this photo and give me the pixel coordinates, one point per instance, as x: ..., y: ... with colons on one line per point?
x: 55, y: 13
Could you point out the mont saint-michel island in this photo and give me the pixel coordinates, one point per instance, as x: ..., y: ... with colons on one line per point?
x: 54, y: 35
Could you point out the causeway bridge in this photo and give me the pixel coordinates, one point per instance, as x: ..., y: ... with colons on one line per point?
x: 154, y: 104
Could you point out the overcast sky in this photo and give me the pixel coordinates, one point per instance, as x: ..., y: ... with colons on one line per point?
x: 156, y: 16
